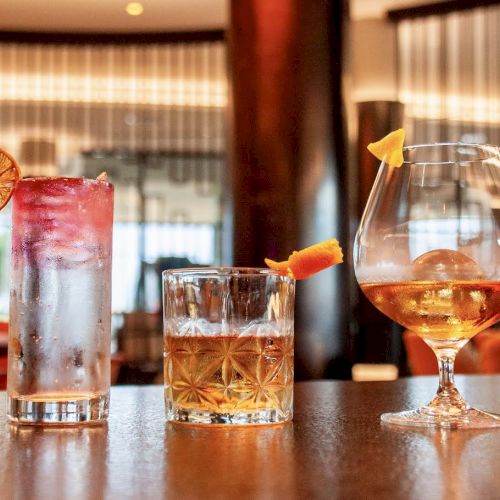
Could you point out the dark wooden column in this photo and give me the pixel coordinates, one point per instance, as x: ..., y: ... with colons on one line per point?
x: 288, y: 164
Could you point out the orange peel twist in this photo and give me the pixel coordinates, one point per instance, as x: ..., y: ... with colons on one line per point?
x: 311, y: 260
x: 390, y: 148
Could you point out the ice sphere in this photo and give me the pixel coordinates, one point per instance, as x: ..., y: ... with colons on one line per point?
x: 445, y: 265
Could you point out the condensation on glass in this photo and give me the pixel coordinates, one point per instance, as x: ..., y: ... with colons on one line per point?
x: 60, y: 302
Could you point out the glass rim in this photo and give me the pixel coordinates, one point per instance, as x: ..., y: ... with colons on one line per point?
x: 223, y: 271
x: 63, y: 178
x: 491, y: 148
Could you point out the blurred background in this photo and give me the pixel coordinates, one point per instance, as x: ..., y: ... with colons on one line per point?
x: 237, y: 130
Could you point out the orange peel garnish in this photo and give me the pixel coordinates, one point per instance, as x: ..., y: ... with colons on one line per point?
x: 311, y: 260
x: 10, y: 174
x: 390, y: 148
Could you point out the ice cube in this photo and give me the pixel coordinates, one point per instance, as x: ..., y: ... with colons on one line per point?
x: 192, y: 328
x: 249, y: 330
x: 53, y: 252
x: 445, y: 265
x: 259, y: 328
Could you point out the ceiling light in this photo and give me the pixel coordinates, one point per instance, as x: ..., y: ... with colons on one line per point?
x: 134, y: 8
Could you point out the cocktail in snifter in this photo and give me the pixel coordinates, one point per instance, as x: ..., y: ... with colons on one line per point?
x: 427, y: 255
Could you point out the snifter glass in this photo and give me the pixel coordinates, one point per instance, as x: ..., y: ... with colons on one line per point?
x: 427, y: 255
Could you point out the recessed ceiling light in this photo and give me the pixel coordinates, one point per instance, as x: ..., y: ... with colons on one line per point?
x: 134, y: 8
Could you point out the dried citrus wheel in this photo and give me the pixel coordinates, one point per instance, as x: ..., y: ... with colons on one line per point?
x: 311, y: 260
x: 10, y: 173
x: 390, y: 148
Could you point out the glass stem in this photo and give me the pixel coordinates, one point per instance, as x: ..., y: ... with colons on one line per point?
x: 447, y: 395
x: 446, y: 363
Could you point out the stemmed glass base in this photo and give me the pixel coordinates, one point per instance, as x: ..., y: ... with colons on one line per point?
x: 448, y: 409
x: 470, y: 418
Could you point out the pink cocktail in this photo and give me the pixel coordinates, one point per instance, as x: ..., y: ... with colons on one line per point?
x: 60, y: 306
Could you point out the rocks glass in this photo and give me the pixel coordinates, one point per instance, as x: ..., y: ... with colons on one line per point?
x: 228, y: 346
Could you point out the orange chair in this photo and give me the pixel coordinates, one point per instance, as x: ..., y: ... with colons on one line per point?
x: 488, y: 346
x: 481, y: 355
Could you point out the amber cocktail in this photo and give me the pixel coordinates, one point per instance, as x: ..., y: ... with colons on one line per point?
x: 228, y: 336
x: 439, y: 311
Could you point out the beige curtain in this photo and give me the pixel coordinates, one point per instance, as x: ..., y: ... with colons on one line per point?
x: 59, y: 100
x: 449, y: 76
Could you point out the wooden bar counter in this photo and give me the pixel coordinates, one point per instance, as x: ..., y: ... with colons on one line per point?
x: 336, y: 448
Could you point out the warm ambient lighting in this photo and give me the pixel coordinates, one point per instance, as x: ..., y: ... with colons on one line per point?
x: 134, y: 9
x: 464, y: 108
x: 435, y: 106
x: 113, y: 90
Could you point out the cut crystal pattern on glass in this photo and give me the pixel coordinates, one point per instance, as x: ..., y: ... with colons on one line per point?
x: 227, y: 374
